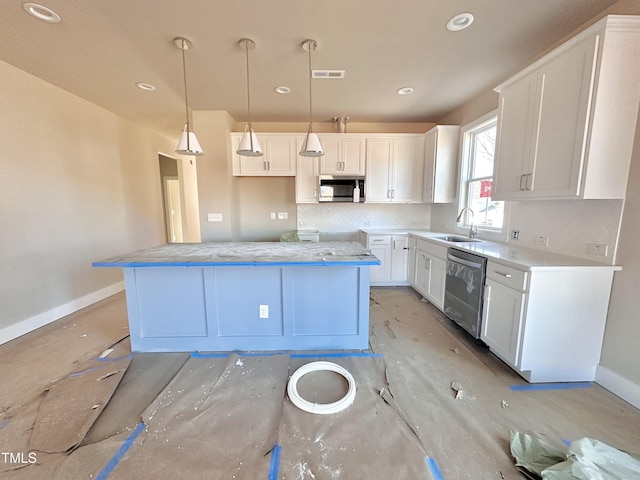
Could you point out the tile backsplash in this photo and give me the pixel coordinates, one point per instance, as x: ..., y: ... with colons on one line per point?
x: 350, y: 217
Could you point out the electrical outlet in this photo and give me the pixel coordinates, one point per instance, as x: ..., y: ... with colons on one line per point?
x: 283, y: 215
x: 515, y: 234
x: 264, y: 311
x: 272, y: 215
x: 214, y: 217
x: 543, y: 241
x: 598, y: 249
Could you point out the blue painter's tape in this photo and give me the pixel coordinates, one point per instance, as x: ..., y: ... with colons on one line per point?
x: 274, y: 464
x: 551, y: 386
x: 208, y: 355
x: 120, y: 453
x: 314, y: 263
x: 433, y: 467
x: 259, y: 354
x: 335, y: 355
x: 4, y: 423
x: 566, y: 441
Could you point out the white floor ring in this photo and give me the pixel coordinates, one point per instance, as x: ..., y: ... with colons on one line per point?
x: 321, y: 408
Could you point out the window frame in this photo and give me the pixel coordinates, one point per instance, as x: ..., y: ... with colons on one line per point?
x: 466, y: 132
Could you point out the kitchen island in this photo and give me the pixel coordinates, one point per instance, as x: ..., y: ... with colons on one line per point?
x: 248, y: 296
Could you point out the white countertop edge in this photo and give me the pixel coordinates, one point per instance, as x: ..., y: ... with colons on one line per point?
x: 529, y: 259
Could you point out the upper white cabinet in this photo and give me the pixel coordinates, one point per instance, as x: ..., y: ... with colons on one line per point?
x: 440, y: 161
x: 566, y: 123
x: 394, y: 168
x: 279, y: 158
x: 343, y: 155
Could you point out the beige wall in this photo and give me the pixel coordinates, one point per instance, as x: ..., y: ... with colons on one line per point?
x: 79, y: 184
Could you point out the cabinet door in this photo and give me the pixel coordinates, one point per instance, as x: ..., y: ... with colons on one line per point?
x: 379, y: 156
x: 514, y: 138
x: 423, y: 268
x: 431, y: 141
x: 307, y: 182
x: 407, y: 152
x: 501, y: 321
x: 353, y: 156
x: 342, y: 156
x: 399, y: 257
x: 280, y: 153
x: 382, y: 272
x: 411, y: 261
x: 437, y: 278
x: 562, y: 124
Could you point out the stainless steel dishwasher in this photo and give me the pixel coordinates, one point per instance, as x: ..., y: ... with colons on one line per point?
x: 464, y: 289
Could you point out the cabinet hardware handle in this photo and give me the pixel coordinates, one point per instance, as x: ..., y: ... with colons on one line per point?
x: 506, y: 275
x: 394, y: 244
x: 528, y: 185
x: 393, y: 193
x: 315, y: 194
x: 521, y: 181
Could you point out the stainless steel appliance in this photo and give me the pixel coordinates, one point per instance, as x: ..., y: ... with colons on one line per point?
x: 464, y: 289
x: 341, y: 189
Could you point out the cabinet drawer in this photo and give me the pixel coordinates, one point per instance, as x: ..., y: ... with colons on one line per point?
x: 379, y: 240
x: 429, y: 247
x: 507, y: 276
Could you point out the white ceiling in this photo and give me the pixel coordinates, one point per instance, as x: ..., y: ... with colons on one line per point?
x: 102, y: 48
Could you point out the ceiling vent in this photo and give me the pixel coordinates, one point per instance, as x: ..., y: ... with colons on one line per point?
x: 327, y: 73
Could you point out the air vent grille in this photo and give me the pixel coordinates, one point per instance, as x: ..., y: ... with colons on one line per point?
x: 327, y: 73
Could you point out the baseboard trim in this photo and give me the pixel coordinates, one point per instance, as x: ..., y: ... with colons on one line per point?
x: 618, y: 385
x: 30, y: 324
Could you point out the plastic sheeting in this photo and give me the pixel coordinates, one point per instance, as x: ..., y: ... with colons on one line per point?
x: 584, y: 459
x: 470, y: 277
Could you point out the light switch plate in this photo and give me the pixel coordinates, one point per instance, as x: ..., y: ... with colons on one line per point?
x: 283, y: 215
x: 214, y: 217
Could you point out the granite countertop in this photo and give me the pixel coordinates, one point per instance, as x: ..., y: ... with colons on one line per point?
x: 506, y: 253
x: 245, y: 254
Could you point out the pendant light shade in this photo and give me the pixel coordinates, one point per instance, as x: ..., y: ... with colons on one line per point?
x: 311, y: 146
x: 188, y: 143
x: 249, y: 145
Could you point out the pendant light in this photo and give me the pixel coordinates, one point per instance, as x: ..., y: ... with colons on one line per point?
x: 249, y: 145
x: 311, y: 146
x: 188, y: 144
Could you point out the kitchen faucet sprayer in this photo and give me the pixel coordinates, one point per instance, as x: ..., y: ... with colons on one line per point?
x: 473, y: 230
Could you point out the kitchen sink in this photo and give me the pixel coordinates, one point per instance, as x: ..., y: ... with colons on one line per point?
x: 455, y: 239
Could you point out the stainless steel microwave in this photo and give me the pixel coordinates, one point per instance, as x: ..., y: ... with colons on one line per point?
x: 341, y: 189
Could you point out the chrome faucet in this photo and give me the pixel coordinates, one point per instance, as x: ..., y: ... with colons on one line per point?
x: 473, y: 230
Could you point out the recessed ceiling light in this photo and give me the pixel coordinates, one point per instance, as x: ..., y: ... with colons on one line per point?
x: 405, y: 91
x: 460, y: 22
x: 145, y: 86
x: 282, y: 90
x: 41, y: 12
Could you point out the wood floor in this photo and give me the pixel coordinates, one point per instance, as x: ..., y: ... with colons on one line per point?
x: 76, y: 403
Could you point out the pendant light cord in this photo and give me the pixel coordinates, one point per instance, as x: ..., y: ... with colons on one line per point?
x: 311, y: 45
x: 186, y: 97
x: 246, y: 49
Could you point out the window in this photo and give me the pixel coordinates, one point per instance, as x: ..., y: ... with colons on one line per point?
x: 476, y: 179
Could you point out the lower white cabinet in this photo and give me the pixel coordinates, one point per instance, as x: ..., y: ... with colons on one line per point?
x: 430, y: 271
x: 547, y: 323
x: 393, y: 253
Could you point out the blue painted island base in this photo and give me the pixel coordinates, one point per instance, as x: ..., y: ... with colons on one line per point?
x: 248, y: 308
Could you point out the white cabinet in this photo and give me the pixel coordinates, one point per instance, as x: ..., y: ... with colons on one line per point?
x: 307, y: 181
x: 393, y: 253
x: 343, y: 155
x: 395, y: 168
x: 278, y: 159
x: 548, y: 323
x: 440, y: 162
x: 566, y: 123
x: 430, y: 271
